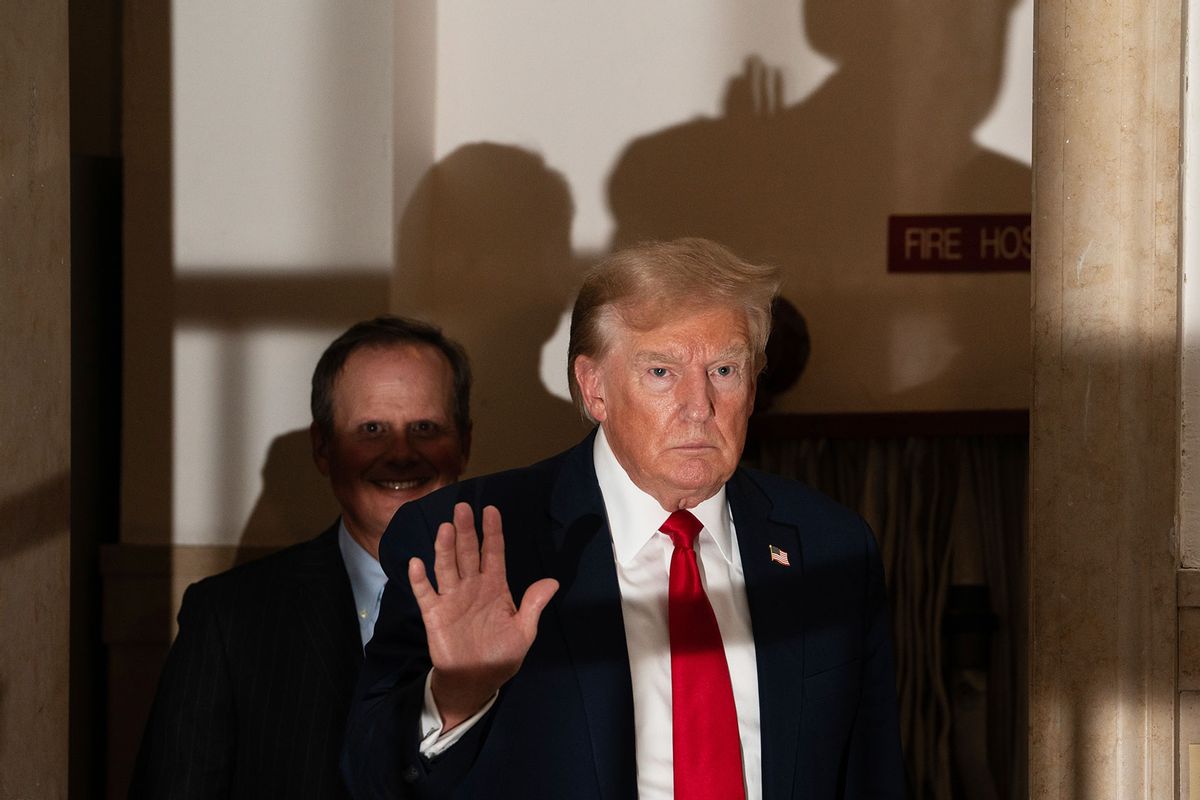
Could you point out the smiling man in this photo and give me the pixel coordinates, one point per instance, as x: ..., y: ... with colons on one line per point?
x: 254, y: 696
x: 390, y: 422
x: 708, y: 631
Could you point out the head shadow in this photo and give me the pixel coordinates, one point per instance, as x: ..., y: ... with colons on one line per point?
x: 484, y: 250
x: 295, y: 503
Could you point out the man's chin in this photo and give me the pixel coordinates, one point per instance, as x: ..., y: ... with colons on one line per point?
x: 391, y: 501
x: 695, y: 473
x: 700, y: 487
x: 387, y: 502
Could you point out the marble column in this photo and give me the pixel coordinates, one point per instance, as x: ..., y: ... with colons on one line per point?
x: 1104, y: 426
x: 35, y: 362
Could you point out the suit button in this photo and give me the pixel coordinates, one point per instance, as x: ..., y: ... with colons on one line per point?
x: 411, y: 774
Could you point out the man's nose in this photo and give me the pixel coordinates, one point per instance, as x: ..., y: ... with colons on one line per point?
x: 400, y: 447
x: 696, y: 398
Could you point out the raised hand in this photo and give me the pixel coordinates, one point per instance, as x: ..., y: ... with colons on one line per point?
x: 477, y: 636
x: 757, y: 93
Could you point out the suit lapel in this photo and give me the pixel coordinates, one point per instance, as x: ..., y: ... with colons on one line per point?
x: 578, y: 552
x: 328, y: 613
x: 777, y: 617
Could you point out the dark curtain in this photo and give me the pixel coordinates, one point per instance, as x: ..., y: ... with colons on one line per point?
x: 949, y: 513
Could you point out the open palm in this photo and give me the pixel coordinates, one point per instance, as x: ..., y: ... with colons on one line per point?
x: 477, y: 635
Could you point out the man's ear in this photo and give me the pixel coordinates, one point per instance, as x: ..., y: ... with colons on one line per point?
x: 590, y: 376
x: 320, y: 448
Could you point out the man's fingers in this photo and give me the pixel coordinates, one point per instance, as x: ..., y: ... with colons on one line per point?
x: 421, y: 588
x: 445, y: 559
x: 467, y: 541
x: 493, y: 542
x: 533, y: 603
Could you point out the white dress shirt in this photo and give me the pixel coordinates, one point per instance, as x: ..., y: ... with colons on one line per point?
x: 643, y: 562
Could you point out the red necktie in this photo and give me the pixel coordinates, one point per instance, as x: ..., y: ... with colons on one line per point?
x: 708, y: 755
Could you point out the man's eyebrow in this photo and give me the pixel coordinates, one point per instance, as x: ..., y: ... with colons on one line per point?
x: 733, y: 352
x: 648, y: 356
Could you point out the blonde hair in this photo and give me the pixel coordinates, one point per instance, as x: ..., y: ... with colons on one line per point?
x: 639, y: 285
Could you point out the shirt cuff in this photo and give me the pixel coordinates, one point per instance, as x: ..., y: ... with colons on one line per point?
x: 433, y: 741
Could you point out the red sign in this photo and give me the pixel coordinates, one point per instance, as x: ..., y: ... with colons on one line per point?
x: 959, y: 243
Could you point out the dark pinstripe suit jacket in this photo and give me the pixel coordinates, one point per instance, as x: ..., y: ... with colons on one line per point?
x: 254, y: 695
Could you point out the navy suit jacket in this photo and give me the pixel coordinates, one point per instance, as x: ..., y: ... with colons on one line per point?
x: 563, y: 726
x: 254, y: 696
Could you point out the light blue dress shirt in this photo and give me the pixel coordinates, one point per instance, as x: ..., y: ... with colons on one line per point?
x: 367, y: 580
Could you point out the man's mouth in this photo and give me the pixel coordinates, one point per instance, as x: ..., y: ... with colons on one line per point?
x: 401, y: 485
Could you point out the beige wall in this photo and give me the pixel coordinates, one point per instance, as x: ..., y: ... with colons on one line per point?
x: 34, y: 400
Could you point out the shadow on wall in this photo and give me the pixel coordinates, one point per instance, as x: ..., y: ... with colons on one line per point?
x: 484, y: 251
x: 809, y: 188
x: 40, y: 511
x: 296, y: 502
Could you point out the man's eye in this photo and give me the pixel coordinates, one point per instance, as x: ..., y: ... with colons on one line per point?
x: 724, y: 371
x: 658, y: 372
x: 424, y: 428
x: 371, y: 427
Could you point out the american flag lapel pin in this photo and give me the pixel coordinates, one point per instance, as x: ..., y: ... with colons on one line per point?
x: 779, y: 556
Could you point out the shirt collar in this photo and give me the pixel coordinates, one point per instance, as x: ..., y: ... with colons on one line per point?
x: 634, y: 516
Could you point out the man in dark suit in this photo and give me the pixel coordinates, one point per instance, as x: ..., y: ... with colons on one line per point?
x: 709, y: 632
x: 254, y: 696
